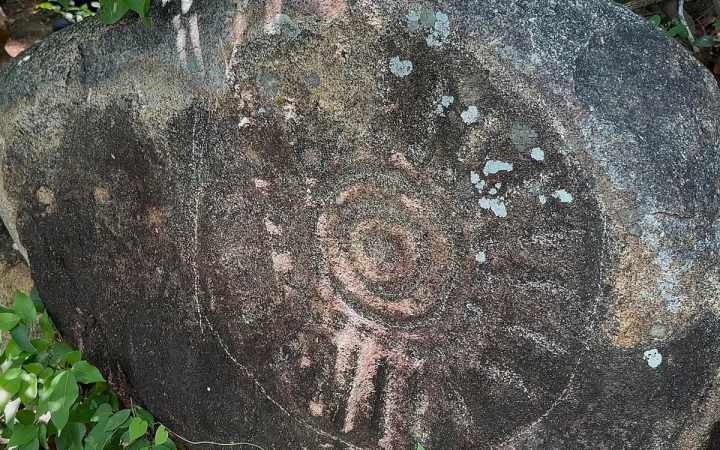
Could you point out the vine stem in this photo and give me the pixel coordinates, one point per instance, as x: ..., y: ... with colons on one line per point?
x: 220, y: 444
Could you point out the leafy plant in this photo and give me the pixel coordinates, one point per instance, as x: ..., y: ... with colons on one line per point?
x: 69, y: 10
x: 110, y: 11
x: 51, y: 398
x: 113, y: 10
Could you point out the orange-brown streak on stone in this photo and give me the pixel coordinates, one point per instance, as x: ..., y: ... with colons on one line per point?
x: 363, y: 387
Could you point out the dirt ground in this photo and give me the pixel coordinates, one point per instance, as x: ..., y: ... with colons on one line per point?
x: 27, y: 24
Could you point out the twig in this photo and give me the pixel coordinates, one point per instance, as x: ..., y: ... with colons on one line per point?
x: 681, y: 18
x: 230, y: 444
x: 637, y: 4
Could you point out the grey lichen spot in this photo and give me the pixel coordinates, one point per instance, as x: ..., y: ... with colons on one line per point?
x: 480, y: 257
x: 658, y: 331
x: 283, y: 26
x: 400, y: 68
x: 498, y: 185
x: 653, y: 357
x: 436, y: 24
x: 563, y: 195
x: 441, y: 30
x: 523, y: 137
x: 471, y: 115
x: 493, y: 191
x: 492, y: 166
x: 635, y: 230
x: 313, y: 80
x: 445, y: 103
x: 262, y: 111
x: 542, y: 199
x: 269, y: 84
x: 480, y: 185
x: 537, y: 154
x: 474, y: 177
x: 494, y: 205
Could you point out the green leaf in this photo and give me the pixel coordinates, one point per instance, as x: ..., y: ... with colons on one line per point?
x: 138, y: 428
x: 46, y: 374
x: 71, y: 437
x: 59, y: 353
x: 41, y: 344
x: 678, y: 29
x: 35, y: 297
x: 46, y: 326
x: 146, y: 21
x: 83, y: 413
x: 140, y: 444
x: 86, y: 373
x: 161, y: 435
x: 45, y: 5
x: 28, y: 388
x: 63, y: 396
x: 25, y: 416
x: 104, y: 411
x: 706, y: 41
x: 74, y: 357
x: 8, y: 321
x: 113, y: 11
x: 136, y: 5
x: 24, y: 307
x: 23, y: 435
x: 655, y: 20
x: 42, y: 437
x: 117, y: 420
x: 10, y: 411
x: 33, y: 445
x: 21, y: 336
x: 420, y: 447
x: 168, y: 445
x: 35, y: 368
x: 144, y: 414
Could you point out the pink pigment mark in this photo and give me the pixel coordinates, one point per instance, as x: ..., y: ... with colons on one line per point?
x: 305, y: 362
x: 282, y: 262
x: 398, y: 160
x: 363, y: 386
x: 272, y: 228
x: 272, y: 9
x: 262, y: 185
x: 332, y: 10
x: 316, y: 409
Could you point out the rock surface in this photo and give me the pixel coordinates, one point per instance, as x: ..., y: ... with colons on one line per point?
x: 367, y: 224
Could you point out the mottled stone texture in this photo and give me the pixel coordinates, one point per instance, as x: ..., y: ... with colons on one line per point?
x: 366, y: 224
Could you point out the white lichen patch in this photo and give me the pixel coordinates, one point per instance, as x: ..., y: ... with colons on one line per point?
x: 436, y: 24
x: 493, y: 191
x: 474, y: 178
x: 493, y: 166
x: 441, y: 30
x: 498, y: 185
x: 480, y: 185
x: 480, y: 257
x: 653, y: 357
x: 445, y: 103
x: 542, y: 199
x: 471, y: 115
x: 563, y: 195
x: 400, y: 68
x: 537, y: 154
x: 495, y: 205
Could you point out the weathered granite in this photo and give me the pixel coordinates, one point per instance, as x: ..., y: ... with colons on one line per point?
x: 366, y: 224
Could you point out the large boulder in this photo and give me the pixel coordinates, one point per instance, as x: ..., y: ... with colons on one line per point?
x: 367, y: 224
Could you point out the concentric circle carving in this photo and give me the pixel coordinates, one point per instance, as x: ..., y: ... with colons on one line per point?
x: 384, y: 250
